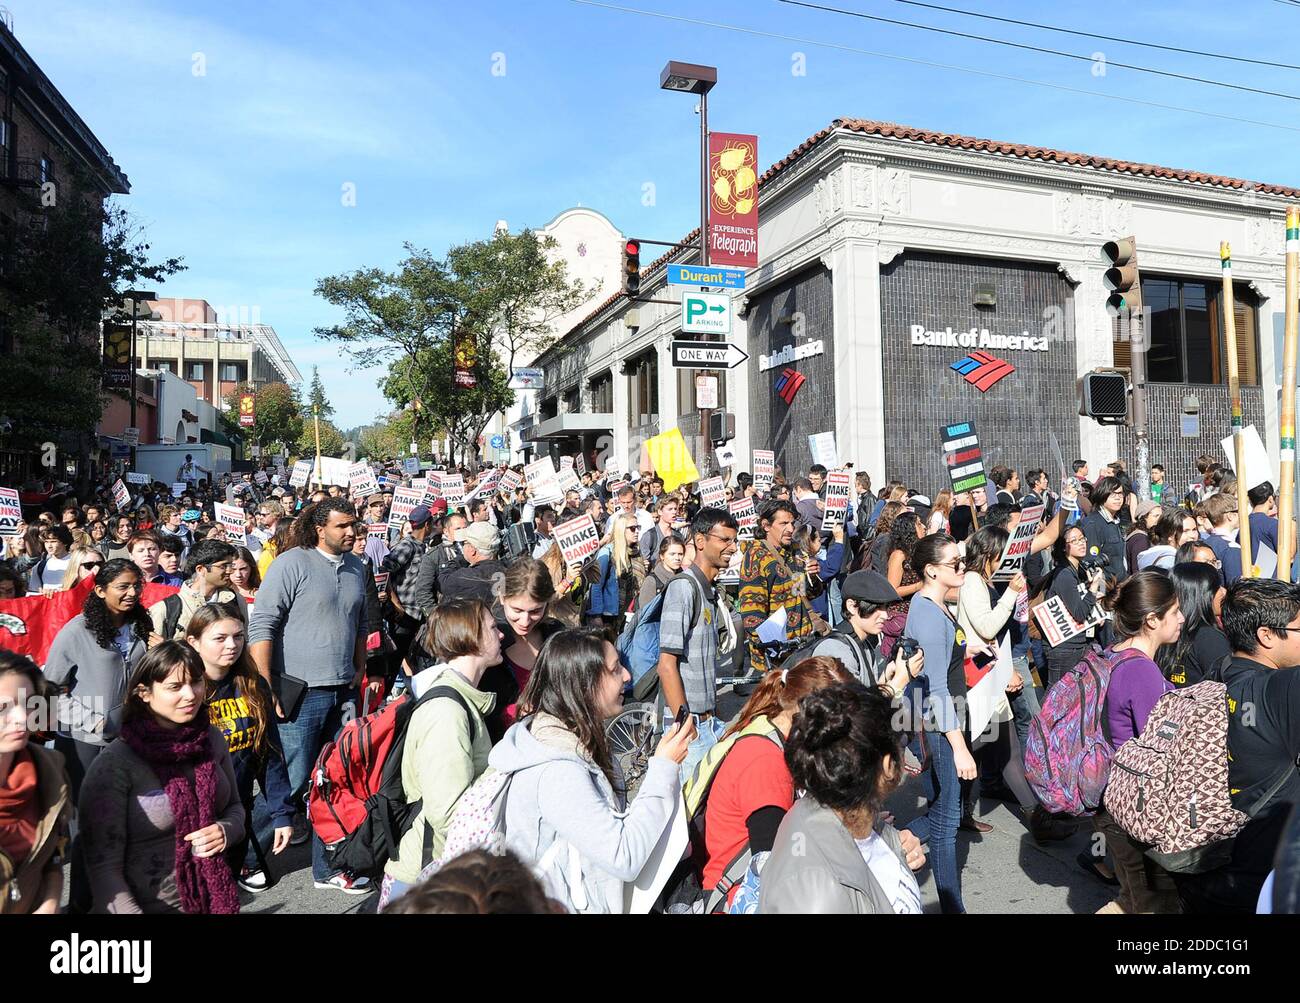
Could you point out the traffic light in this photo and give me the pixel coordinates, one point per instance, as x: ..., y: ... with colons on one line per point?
x: 722, y: 427
x: 632, y: 267
x: 1122, y: 277
x: 1103, y: 396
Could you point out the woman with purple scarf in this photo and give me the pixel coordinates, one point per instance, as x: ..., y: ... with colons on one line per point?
x: 160, y: 805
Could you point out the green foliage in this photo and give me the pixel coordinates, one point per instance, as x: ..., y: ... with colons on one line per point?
x: 277, y: 415
x: 331, y: 440
x: 316, y: 400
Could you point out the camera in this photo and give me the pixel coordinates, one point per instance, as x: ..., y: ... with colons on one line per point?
x: 1094, y: 560
x: 908, y: 647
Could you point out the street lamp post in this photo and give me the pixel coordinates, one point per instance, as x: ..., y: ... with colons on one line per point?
x: 693, y: 78
x: 135, y: 296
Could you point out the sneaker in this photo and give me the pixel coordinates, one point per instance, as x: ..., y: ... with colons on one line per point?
x: 1111, y: 908
x: 252, y: 881
x: 1046, y: 827
x: 301, y: 831
x: 347, y: 884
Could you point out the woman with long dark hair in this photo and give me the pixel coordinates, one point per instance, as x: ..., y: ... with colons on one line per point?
x: 834, y: 852
x: 162, y: 804
x: 89, y: 663
x: 567, y: 813
x: 903, y: 537
x: 524, y: 597
x: 1201, y: 647
x: 1146, y: 616
x: 245, y: 579
x: 35, y: 802
x: 241, y: 705
x: 1080, y: 590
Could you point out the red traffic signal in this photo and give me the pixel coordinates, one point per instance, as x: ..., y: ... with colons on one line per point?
x: 632, y: 267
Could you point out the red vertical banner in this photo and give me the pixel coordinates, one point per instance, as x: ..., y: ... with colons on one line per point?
x: 246, y: 414
x: 464, y: 356
x: 733, y: 199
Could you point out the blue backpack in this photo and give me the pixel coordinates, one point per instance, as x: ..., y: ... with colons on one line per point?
x: 638, y: 645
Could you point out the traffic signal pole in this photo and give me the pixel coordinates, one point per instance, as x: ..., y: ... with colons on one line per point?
x: 1234, y: 391
x: 1125, y: 283
x: 1286, y: 534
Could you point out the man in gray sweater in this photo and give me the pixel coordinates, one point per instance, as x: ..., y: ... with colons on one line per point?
x: 308, y: 640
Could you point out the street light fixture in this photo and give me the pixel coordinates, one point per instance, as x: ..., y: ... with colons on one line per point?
x: 136, y: 297
x: 692, y: 78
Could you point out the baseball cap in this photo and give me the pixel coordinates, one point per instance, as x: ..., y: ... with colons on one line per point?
x: 419, y: 515
x: 869, y: 586
x: 482, y: 535
x: 439, y: 507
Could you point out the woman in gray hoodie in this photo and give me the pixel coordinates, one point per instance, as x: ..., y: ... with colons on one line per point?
x: 566, y: 811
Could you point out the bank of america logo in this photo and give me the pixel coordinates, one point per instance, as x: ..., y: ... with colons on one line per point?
x: 788, y: 384
x: 983, y: 371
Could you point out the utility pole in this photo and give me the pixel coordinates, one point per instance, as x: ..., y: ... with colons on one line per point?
x: 315, y: 417
x: 1286, y: 534
x: 1125, y: 299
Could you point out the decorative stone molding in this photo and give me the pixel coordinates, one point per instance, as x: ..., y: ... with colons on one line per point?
x: 885, y: 253
x: 1265, y: 238
x: 1069, y: 271
x: 895, y: 191
x: 1086, y: 215
x: 997, y: 244
x: 863, y: 186
x: 828, y: 196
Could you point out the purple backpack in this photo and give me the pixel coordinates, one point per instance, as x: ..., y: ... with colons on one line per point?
x: 1068, y: 754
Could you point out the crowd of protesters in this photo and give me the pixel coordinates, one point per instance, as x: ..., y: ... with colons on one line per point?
x: 201, y: 668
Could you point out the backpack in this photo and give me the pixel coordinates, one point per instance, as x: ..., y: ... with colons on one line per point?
x: 172, y: 609
x: 356, y: 803
x: 1169, y: 786
x: 638, y: 645
x: 1068, y: 752
x: 695, y: 798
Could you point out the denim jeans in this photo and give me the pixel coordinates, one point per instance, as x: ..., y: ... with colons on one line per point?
x: 316, y: 722
x: 711, y: 730
x: 1024, y: 703
x: 938, y: 828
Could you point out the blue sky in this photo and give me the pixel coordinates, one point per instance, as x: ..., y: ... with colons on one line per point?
x: 241, y: 169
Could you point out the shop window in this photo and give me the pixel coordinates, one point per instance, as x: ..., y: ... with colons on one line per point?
x: 643, y: 389
x: 601, y: 389
x: 550, y: 407
x: 1185, y: 325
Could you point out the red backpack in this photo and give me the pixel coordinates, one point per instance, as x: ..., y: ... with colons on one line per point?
x: 355, y: 800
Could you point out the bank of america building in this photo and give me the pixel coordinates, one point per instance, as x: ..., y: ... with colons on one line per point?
x: 908, y: 279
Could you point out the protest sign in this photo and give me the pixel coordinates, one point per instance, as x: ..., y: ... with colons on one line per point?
x: 377, y: 531
x: 745, y: 513
x: 381, y: 583
x: 822, y: 447
x: 568, y: 480
x: 453, y: 490
x: 566, y: 462
x: 543, y: 482
x: 578, y: 539
x: 994, y: 675
x: 1257, y: 466
x: 962, y: 456
x: 11, y: 512
x: 121, y: 496
x: 179, y: 488
x: 580, y: 464
x: 488, y: 482
x: 233, y: 518
x: 671, y: 459
x: 404, y: 499
x: 726, y: 455
x: 133, y: 478
x: 614, y: 487
x: 1057, y: 625
x: 261, y: 478
x: 712, y: 493
x: 764, y: 469
x: 361, y: 479
x: 839, y: 489
x: 333, y: 471
x: 510, y: 481
x: 301, y: 471
x: 1019, y: 543
x: 611, y: 465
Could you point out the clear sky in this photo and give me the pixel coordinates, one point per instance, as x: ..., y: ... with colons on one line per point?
x: 447, y: 117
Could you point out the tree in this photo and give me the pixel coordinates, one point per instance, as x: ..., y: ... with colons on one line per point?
x: 277, y: 418
x: 71, y: 254
x: 496, y: 297
x: 316, y: 399
x: 331, y: 440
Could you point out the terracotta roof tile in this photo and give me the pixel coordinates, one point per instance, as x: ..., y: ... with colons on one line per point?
x: 892, y: 130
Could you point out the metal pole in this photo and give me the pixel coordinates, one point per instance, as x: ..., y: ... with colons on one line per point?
x: 1137, y: 323
x: 1234, y: 391
x: 315, y: 414
x: 134, y: 311
x: 1286, y: 489
x: 706, y: 451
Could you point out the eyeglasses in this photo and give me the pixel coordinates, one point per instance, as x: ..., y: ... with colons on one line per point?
x: 726, y: 540
x: 957, y: 564
x: 91, y: 565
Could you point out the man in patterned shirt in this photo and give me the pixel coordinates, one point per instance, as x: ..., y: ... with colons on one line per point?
x: 403, y: 567
x: 771, y: 576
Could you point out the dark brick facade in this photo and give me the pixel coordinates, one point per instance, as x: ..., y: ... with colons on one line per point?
x: 773, y: 424
x: 922, y: 393
x: 1164, y: 425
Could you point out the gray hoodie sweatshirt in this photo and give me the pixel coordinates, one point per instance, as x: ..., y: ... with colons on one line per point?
x: 94, y: 678
x: 558, y: 793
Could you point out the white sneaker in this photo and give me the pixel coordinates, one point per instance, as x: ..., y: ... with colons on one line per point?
x: 347, y: 884
x: 252, y: 881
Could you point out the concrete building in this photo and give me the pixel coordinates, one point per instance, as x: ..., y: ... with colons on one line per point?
x: 888, y: 254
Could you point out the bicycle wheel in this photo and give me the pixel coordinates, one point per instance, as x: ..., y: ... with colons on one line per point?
x: 630, y: 735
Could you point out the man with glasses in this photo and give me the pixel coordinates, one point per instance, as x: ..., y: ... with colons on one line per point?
x: 695, y: 630
x: 207, y: 580
x: 1261, y: 618
x: 772, y: 577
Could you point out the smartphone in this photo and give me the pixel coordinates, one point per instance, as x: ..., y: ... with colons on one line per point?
x: 682, y: 715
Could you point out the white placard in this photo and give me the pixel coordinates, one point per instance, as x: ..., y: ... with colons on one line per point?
x: 639, y: 896
x: 133, y: 478
x: 179, y: 488
x: 712, y: 493
x: 726, y: 455
x: 131, y: 436
x: 11, y: 512
x: 333, y: 471
x: 361, y: 480
x: 453, y: 490
x: 1258, y: 469
x: 1019, y: 544
x: 568, y: 480
x: 706, y: 392
x: 510, y: 481
x: 580, y: 464
x: 261, y: 478
x: 745, y: 512
x: 822, y: 447
x: 839, y: 490
x: 982, y: 698
x: 121, y: 496
x: 566, y: 462
x: 1057, y: 625
x: 301, y: 472
x: 578, y: 539
x: 543, y: 482
x: 404, y: 499
x: 233, y: 518
x: 764, y: 469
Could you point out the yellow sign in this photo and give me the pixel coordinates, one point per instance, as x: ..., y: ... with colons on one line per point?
x: 671, y: 459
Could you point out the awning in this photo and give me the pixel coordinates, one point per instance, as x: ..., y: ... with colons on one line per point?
x: 219, y: 437
x: 566, y: 425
